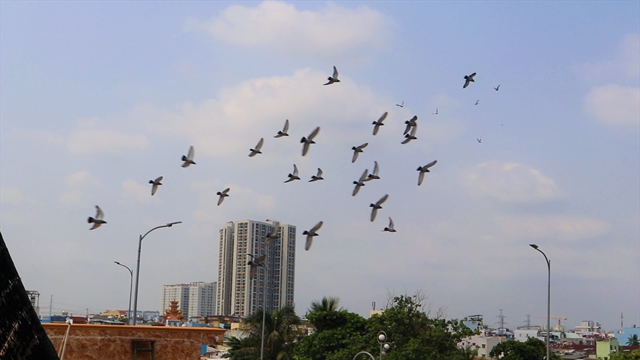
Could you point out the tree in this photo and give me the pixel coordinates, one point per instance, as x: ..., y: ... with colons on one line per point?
x: 532, y: 349
x: 634, y: 355
x: 326, y: 304
x: 281, y: 333
x: 633, y: 340
x: 337, y: 334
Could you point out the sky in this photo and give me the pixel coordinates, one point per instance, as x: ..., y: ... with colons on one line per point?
x: 98, y: 98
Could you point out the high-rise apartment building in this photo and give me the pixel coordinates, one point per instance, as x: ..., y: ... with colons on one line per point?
x: 194, y: 299
x: 274, y: 283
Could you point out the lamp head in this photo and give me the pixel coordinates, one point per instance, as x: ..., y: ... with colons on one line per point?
x: 117, y: 263
x: 381, y: 337
x: 534, y: 246
x: 386, y: 347
x: 173, y: 223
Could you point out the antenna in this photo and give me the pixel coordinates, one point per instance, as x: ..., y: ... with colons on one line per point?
x: 528, y: 322
x: 374, y: 305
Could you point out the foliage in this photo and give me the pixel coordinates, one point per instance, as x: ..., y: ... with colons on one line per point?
x: 532, y: 349
x: 335, y: 332
x: 326, y: 304
x: 240, y: 350
x: 634, y: 355
x: 633, y: 340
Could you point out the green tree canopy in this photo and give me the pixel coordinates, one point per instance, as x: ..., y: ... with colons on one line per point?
x: 326, y: 304
x: 532, y: 349
x: 634, y: 355
x: 633, y: 340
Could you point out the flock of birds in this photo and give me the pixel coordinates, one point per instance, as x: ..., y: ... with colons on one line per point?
x: 410, y: 134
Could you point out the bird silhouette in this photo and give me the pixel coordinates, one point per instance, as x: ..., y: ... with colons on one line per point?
x: 479, y: 140
x: 307, y: 141
x: 468, y: 79
x: 497, y: 88
x: 223, y: 194
x: 293, y: 176
x: 97, y: 220
x: 334, y: 78
x: 273, y: 234
x: 424, y: 169
x: 435, y: 113
x: 257, y: 149
x: 374, y: 174
x: 284, y: 130
x: 155, y: 183
x: 411, y: 136
x: 360, y: 182
x: 390, y: 228
x: 357, y: 150
x: 310, y: 234
x: 410, y: 123
x: 317, y: 177
x: 477, y: 102
x: 377, y: 124
x: 253, y: 265
x: 400, y: 105
x: 188, y: 160
x: 377, y: 205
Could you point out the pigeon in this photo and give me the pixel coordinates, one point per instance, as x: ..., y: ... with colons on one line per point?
x: 360, y: 182
x: 477, y: 102
x: 273, y: 235
x: 468, y: 79
x: 411, y: 135
x: 254, y: 263
x: 435, y: 113
x: 357, y: 150
x: 410, y: 123
x: 379, y: 123
x: 223, y: 194
x: 317, y: 177
x: 479, y: 140
x: 374, y: 174
x: 307, y: 141
x: 497, y: 88
x: 334, y: 78
x: 284, y: 130
x: 400, y: 105
x: 155, y: 183
x: 377, y: 205
x: 424, y: 169
x: 257, y: 149
x: 293, y: 176
x: 310, y: 234
x: 390, y: 228
x: 97, y: 221
x: 188, y: 160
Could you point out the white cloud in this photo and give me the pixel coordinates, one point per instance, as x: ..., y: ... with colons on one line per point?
x: 135, y: 190
x: 614, y: 104
x: 77, y: 186
x: 511, y: 182
x: 559, y: 227
x: 87, y: 138
x: 624, y: 65
x: 332, y: 30
x: 39, y: 136
x: 11, y: 196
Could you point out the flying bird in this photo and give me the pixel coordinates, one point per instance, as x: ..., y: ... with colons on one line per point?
x: 497, y: 88
x: 424, y: 169
x: 310, y: 234
x: 400, y: 105
x: 97, y: 221
x: 357, y: 150
x: 435, y: 113
x: 188, y: 160
x: 254, y: 263
x: 360, y: 182
x: 334, y: 78
x: 468, y: 79
x: 257, y: 149
x: 390, y: 228
x: 479, y: 140
x: 293, y: 176
x: 374, y: 174
x: 411, y: 136
x: 377, y: 205
x: 477, y: 102
x: 307, y: 141
x: 284, y: 130
x: 410, y: 123
x: 273, y: 235
x: 317, y: 177
x: 223, y: 194
x: 377, y: 124
x: 156, y: 183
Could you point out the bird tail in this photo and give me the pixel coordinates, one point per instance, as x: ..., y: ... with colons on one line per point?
x: 303, y: 139
x: 91, y: 220
x: 305, y: 232
x: 184, y: 158
x: 419, y: 168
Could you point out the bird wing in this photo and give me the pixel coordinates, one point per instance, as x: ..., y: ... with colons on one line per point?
x: 384, y: 116
x: 190, y: 154
x: 363, y: 146
x: 317, y: 227
x: 382, y: 200
x: 355, y: 155
x: 375, y: 168
x: 95, y: 226
x: 252, y: 271
x: 390, y: 223
x: 420, y: 178
x: 466, y: 82
x: 158, y: 179
x: 259, y: 259
x: 259, y: 145
x: 364, y: 175
x: 374, y: 212
x: 430, y: 164
x: 319, y: 172
x: 414, y: 129
x: 154, y: 188
x: 220, y: 199
x: 274, y: 229
x: 376, y: 127
x: 314, y: 133
x: 99, y: 213
x: 225, y: 191
x: 406, y: 129
x: 305, y: 148
x: 405, y: 141
x: 295, y: 170
x: 355, y: 190
x: 286, y: 126
x: 307, y: 246
x: 335, y: 73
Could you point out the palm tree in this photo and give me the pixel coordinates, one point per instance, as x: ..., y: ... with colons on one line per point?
x: 633, y: 340
x: 280, y: 333
x: 326, y: 304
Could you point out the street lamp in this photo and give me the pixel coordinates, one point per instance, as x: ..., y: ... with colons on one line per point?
x: 384, y: 346
x: 548, y: 298
x: 135, y: 302
x: 130, y: 288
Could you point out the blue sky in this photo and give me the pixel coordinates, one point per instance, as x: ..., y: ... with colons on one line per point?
x: 97, y: 98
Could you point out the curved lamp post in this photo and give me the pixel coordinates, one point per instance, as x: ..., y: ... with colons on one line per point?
x: 548, y: 298
x: 130, y: 288
x: 135, y: 302
x: 384, y: 346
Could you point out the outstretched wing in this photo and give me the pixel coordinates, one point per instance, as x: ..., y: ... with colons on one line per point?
x: 190, y: 154
x: 99, y: 213
x: 259, y: 145
x: 364, y: 175
x: 286, y: 126
x: 314, y: 133
x: 335, y: 73
x: 295, y: 170
x: 317, y: 227
x: 382, y: 200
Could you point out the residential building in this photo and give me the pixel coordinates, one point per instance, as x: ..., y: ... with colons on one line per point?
x: 273, y: 286
x: 483, y: 342
x: 194, y: 299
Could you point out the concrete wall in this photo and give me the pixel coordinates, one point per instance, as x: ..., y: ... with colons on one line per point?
x: 114, y: 342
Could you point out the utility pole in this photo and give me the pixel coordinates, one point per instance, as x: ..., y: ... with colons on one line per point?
x: 50, y: 305
x: 528, y: 322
